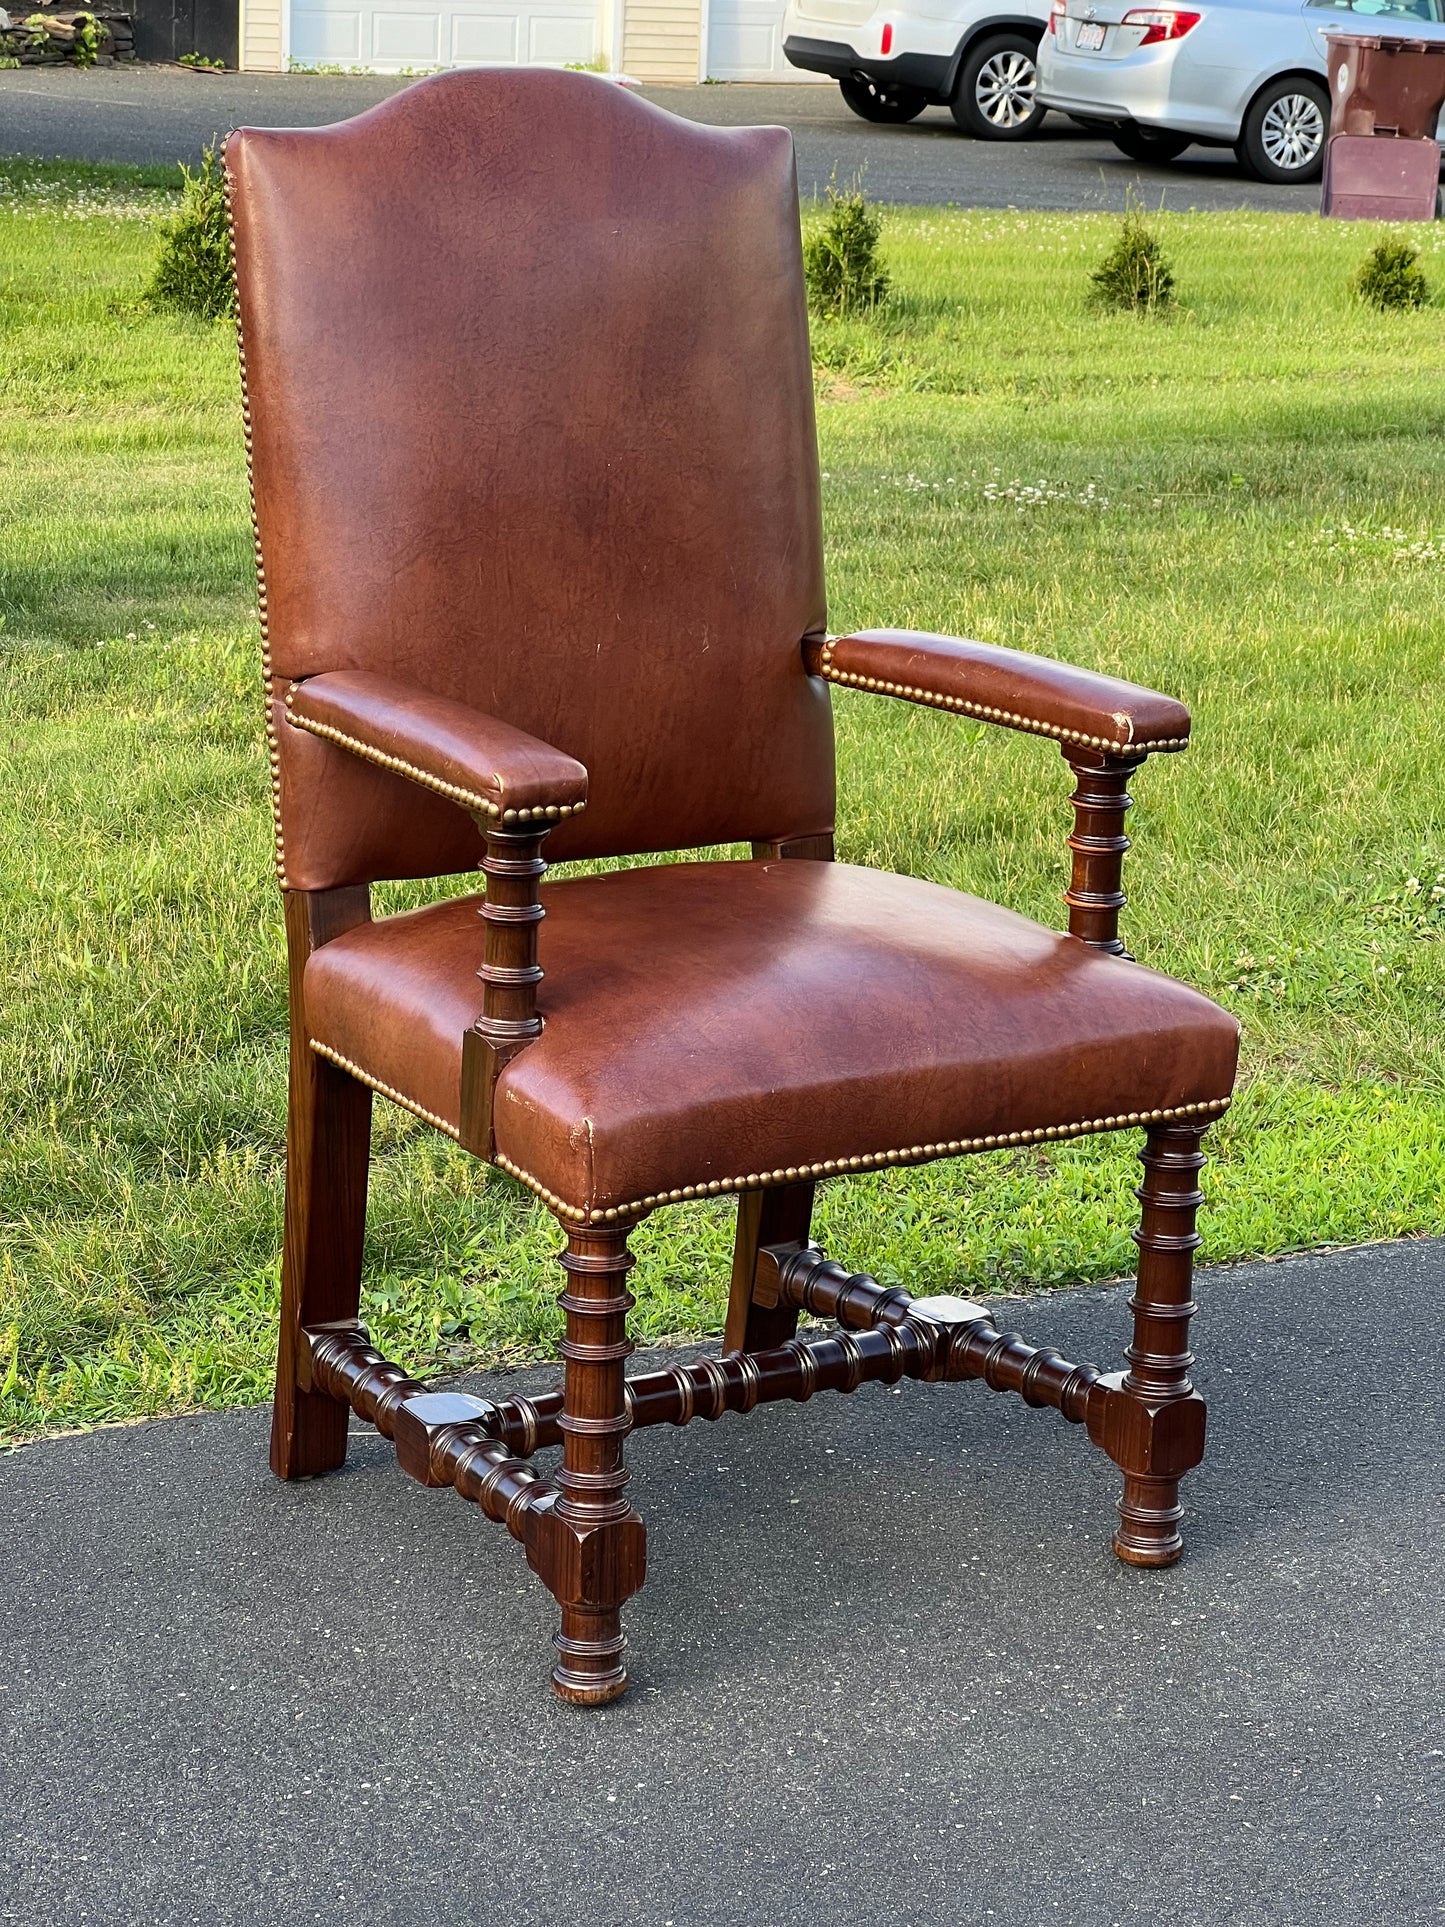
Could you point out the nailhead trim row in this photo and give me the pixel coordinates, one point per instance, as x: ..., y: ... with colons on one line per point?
x: 835, y: 1167
x: 273, y: 748
x: 793, y: 1174
x: 364, y: 1077
x: 551, y: 812
x: 1010, y: 718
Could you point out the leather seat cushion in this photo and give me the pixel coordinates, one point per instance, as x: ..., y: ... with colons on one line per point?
x: 713, y: 1026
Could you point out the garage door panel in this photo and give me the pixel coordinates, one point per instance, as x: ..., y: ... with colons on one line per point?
x: 487, y: 40
x: 320, y: 38
x: 412, y: 38
x: 552, y: 40
x: 745, y: 42
x: 420, y: 33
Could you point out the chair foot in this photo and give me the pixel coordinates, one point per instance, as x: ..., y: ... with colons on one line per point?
x: 590, y: 1671
x: 1149, y: 1514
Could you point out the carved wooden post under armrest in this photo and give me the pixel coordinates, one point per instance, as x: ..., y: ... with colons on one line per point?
x: 1095, y: 894
x: 514, y: 867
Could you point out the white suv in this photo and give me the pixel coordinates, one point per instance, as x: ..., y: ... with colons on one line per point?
x: 890, y: 62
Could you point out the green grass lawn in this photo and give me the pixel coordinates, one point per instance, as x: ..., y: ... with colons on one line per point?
x: 1241, y: 504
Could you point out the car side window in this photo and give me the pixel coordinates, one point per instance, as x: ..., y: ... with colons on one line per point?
x: 1429, y: 10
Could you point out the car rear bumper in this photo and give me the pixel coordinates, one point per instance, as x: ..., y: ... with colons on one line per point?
x: 1144, y: 89
x: 931, y: 74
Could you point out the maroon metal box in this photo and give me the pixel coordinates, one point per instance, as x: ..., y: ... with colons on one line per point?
x: 1369, y: 179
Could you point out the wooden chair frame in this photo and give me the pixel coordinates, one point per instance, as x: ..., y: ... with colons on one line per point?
x: 581, y: 1536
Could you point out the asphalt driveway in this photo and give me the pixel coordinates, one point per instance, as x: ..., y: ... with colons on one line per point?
x: 165, y: 114
x: 887, y: 1672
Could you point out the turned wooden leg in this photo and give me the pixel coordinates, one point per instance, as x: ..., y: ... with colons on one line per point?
x: 1153, y: 1421
x: 328, y: 1144
x: 781, y: 1215
x: 589, y: 1547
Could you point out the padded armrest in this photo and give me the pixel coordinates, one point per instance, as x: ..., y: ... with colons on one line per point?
x: 484, y: 765
x: 1074, y: 706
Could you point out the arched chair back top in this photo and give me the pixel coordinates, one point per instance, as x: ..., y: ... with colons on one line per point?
x: 530, y: 422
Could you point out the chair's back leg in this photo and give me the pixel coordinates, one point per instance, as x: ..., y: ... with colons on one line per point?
x: 328, y: 1142
x: 779, y: 1216
x: 783, y: 1213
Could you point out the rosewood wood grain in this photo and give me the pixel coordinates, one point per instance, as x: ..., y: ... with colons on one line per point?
x: 513, y: 866
x: 934, y: 1339
x: 1101, y: 801
x: 1152, y: 1425
x: 328, y: 1143
x: 590, y: 1548
x: 975, y: 1348
x: 442, y: 1438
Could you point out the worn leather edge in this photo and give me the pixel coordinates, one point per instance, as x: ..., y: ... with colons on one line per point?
x: 872, y: 1161
x: 793, y: 1174
x: 397, y: 1097
x: 1009, y: 718
x: 468, y: 799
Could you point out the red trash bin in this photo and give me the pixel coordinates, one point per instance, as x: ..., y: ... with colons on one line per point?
x: 1383, y: 161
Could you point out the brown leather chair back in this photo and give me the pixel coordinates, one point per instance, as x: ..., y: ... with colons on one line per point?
x: 530, y: 419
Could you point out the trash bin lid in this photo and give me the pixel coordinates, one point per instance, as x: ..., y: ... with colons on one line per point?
x: 1384, y: 43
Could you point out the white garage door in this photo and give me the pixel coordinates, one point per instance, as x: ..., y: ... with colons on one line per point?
x: 391, y: 34
x: 745, y: 42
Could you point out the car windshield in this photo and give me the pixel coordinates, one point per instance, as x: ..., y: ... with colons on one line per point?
x: 1430, y: 10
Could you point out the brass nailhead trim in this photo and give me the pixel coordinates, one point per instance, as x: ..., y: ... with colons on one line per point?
x: 355, y: 1070
x: 273, y: 748
x: 1008, y: 717
x: 467, y: 798
x: 835, y: 1167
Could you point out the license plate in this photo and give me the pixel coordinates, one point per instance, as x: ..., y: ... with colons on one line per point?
x: 1091, y: 38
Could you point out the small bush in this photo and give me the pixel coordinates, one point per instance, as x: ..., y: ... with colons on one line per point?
x: 85, y: 48
x: 1390, y: 276
x: 193, y: 271
x: 840, y: 256
x: 1134, y: 274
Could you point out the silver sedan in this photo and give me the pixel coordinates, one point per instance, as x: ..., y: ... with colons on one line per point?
x: 1246, y: 74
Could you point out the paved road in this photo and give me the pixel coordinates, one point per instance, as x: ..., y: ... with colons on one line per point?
x: 887, y: 1673
x: 160, y: 114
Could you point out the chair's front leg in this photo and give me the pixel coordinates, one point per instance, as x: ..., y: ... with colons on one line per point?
x: 1152, y: 1424
x: 589, y: 1547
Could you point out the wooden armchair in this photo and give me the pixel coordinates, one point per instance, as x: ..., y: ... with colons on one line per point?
x: 529, y: 416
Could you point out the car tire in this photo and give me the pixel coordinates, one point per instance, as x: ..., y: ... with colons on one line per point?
x: 1149, y: 143
x: 995, y: 99
x: 1282, y: 140
x: 873, y: 100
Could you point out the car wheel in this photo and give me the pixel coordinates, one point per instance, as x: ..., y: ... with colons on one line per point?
x: 1149, y: 143
x: 996, y: 98
x: 872, y: 100
x: 1282, y: 140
